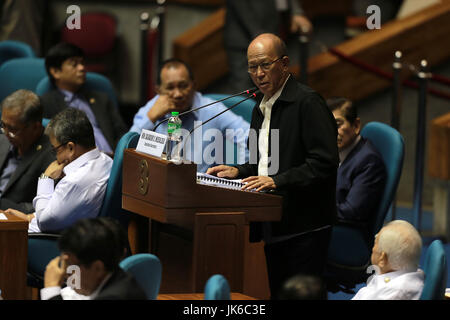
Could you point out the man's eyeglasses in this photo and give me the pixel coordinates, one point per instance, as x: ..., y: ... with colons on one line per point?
x: 55, y: 149
x: 265, y: 66
x: 10, y: 131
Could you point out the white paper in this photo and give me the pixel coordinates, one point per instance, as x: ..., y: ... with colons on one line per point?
x: 3, y: 217
x: 151, y: 143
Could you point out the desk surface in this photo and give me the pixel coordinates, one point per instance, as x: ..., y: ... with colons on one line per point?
x: 199, y: 296
x: 13, y: 223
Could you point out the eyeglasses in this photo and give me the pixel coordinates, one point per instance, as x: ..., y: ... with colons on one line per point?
x: 55, y: 149
x: 265, y: 66
x: 10, y: 131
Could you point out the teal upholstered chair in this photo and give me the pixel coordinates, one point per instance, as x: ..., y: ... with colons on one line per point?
x: 146, y: 269
x: 10, y: 49
x: 20, y: 73
x: 435, y: 269
x: 350, y: 250
x: 43, y: 247
x: 217, y: 288
x: 244, y: 110
x: 94, y: 82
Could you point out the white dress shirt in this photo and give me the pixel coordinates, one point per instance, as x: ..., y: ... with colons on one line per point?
x: 78, y: 195
x: 263, y: 141
x: 344, y: 153
x: 67, y: 293
x: 397, y: 285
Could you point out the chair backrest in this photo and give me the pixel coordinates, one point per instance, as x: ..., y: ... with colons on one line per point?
x: 217, y: 288
x: 389, y: 143
x: 96, y: 36
x: 94, y: 82
x: 112, y: 203
x: 435, y: 269
x: 146, y: 269
x: 230, y: 151
x: 244, y: 109
x: 20, y: 73
x: 10, y: 49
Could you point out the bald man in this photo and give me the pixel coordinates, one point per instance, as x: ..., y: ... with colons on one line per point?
x: 395, y: 257
x: 297, y: 158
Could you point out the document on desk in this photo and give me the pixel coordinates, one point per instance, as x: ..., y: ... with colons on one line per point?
x: 3, y: 217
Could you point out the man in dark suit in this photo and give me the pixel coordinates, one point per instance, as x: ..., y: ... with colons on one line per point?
x: 25, y: 152
x: 301, y: 165
x: 65, y: 67
x: 361, y: 174
x: 92, y: 249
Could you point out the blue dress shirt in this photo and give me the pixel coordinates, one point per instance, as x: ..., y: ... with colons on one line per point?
x: 206, y: 135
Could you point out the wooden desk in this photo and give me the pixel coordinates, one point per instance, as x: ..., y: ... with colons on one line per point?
x: 13, y: 257
x: 198, y: 230
x: 199, y: 296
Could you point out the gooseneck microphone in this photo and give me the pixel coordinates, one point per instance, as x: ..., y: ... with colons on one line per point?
x: 248, y: 91
x: 252, y: 95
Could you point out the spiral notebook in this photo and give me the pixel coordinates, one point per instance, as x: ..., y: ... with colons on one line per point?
x: 210, y: 180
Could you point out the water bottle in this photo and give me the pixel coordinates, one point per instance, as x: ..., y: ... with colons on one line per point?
x: 174, y: 137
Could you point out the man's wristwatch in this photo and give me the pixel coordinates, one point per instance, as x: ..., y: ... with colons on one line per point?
x: 44, y: 176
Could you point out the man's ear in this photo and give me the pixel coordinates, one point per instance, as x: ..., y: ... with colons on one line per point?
x: 357, y: 125
x: 98, y: 266
x: 383, y: 261
x: 55, y: 72
x: 71, y: 145
x: 285, y: 61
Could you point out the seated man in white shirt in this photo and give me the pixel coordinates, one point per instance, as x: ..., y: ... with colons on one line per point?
x: 92, y: 248
x: 83, y: 172
x: 395, y: 258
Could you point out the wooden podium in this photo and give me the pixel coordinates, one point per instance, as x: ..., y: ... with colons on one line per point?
x: 198, y: 230
x: 13, y: 257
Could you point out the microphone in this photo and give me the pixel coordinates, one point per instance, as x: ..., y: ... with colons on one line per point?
x: 248, y: 91
x: 252, y: 95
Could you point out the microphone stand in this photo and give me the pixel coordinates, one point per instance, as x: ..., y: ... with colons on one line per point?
x: 248, y: 91
x: 252, y: 95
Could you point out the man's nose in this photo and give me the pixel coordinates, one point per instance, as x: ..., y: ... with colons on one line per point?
x: 260, y: 72
x: 177, y: 93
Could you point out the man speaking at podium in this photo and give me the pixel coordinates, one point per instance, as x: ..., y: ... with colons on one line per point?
x: 307, y: 163
x: 176, y: 92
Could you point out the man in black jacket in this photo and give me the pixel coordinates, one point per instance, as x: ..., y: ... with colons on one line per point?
x: 91, y: 252
x: 65, y: 67
x: 25, y: 152
x: 301, y: 165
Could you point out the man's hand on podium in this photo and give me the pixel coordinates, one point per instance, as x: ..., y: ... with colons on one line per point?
x: 259, y: 183
x: 223, y: 171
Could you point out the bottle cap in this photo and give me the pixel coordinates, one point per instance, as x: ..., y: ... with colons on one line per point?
x: 175, y: 113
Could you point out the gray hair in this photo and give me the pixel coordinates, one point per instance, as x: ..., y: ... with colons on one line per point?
x: 402, y: 244
x: 71, y: 125
x: 26, y: 103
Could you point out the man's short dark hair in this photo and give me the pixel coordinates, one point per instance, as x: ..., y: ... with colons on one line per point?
x: 27, y: 103
x: 173, y: 62
x: 59, y: 53
x: 95, y: 239
x: 347, y: 107
x: 72, y: 125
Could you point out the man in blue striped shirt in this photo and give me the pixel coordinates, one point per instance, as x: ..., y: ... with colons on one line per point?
x: 176, y: 92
